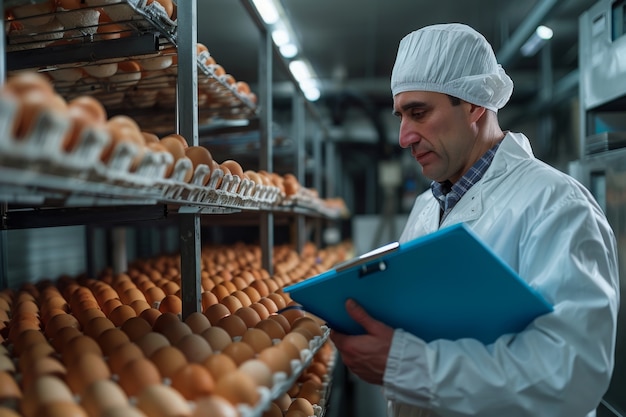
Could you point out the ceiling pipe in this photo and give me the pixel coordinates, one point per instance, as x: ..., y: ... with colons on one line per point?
x: 510, y: 51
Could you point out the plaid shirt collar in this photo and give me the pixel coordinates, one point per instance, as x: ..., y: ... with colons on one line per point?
x: 448, y: 194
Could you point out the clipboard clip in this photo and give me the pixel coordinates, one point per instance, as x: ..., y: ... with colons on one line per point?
x: 371, y: 268
x: 368, y: 257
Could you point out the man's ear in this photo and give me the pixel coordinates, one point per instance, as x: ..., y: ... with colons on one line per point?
x: 475, y: 112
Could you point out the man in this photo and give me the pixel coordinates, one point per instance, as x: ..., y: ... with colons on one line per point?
x: 447, y: 89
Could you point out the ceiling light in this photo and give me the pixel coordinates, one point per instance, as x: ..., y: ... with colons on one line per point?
x: 536, y: 41
x: 310, y: 89
x: 299, y: 70
x: 280, y: 37
x: 544, y: 32
x: 267, y: 10
x: 288, y: 50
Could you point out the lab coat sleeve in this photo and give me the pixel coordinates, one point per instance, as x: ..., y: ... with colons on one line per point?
x: 561, y: 364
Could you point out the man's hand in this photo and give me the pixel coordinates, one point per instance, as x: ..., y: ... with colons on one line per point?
x: 365, y: 355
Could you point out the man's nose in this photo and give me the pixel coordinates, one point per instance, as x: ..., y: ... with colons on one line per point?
x: 406, y: 137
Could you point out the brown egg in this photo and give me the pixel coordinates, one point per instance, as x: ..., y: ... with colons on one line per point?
x: 122, y: 355
x: 233, y: 324
x: 276, y: 359
x: 63, y: 336
x: 27, y: 339
x: 86, y: 369
x: 111, y: 304
x: 278, y: 300
x: 216, y: 312
x: 199, y: 155
x: 290, y: 350
x: 101, y: 396
x: 171, y: 304
x: 252, y: 293
x: 303, y: 405
x: 150, y: 342
x: 97, y: 325
x: 195, y: 347
x: 41, y: 366
x: 257, y: 339
x: 45, y: 389
x: 9, y: 390
x: 273, y: 411
x: 269, y: 304
x: 135, y: 327
x: 239, y: 352
x: 273, y: 329
x: 121, y: 313
x: 297, y: 339
x: 221, y: 291
x: 193, y: 380
x: 234, y: 167
x: 249, y: 316
x: 59, y: 321
x: 308, y: 323
x: 282, y: 320
x: 259, y: 371
x: 154, y: 295
x: 110, y: 339
x: 292, y: 313
x: 151, y: 315
x: 197, y: 322
x: 164, y: 321
x: 219, y: 364
x: 168, y: 360
x: 60, y: 409
x: 123, y: 411
x: 78, y: 346
x: 310, y: 391
x: 232, y: 303
x: 296, y: 413
x: 162, y: 401
x: 217, y: 337
x: 237, y: 388
x: 214, y: 406
x: 138, y: 374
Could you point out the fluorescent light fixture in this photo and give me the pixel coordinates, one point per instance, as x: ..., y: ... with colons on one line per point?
x: 268, y: 11
x: 299, y: 70
x: 280, y: 37
x: 536, y: 41
x: 544, y: 32
x: 288, y: 50
x: 310, y: 89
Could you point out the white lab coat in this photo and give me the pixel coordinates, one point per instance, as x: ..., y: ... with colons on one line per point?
x: 549, y: 229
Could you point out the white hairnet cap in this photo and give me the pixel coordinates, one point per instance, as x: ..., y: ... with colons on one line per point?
x: 451, y: 59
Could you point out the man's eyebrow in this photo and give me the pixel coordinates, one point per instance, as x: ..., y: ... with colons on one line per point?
x: 410, y: 105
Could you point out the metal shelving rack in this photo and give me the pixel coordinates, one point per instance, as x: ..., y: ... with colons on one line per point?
x: 602, y: 164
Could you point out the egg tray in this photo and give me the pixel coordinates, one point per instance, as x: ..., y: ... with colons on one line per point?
x: 282, y: 382
x: 232, y: 191
x: 82, y: 24
x: 38, y: 159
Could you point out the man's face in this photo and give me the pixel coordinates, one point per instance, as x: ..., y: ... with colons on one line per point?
x: 441, y: 136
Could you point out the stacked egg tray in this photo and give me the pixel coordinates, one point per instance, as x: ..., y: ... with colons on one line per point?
x: 64, y: 342
x: 37, y: 163
x: 36, y: 31
x: 151, y: 88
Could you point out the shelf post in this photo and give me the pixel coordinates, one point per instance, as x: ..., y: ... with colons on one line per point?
x: 4, y: 270
x: 266, y: 227
x: 187, y: 125
x: 299, y: 130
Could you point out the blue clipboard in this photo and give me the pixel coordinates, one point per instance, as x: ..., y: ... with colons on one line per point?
x: 445, y: 285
